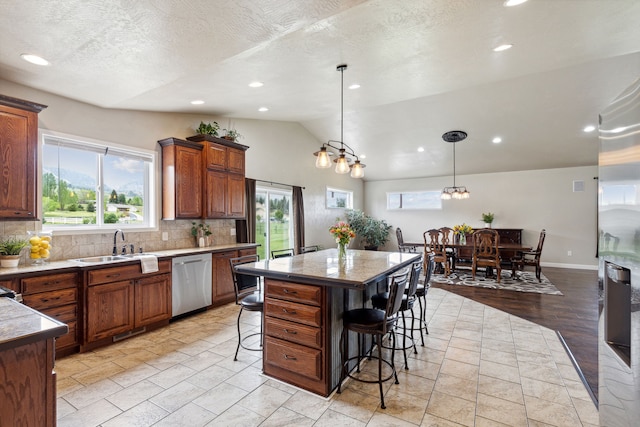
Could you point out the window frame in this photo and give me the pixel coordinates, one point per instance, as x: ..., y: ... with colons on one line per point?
x: 101, y: 147
x: 348, y: 193
x: 436, y: 195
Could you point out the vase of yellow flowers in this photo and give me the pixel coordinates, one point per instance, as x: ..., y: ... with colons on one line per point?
x: 461, y: 231
x: 343, y: 233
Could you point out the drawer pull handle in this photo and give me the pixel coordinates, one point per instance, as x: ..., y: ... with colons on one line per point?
x: 52, y: 283
x: 287, y: 357
x: 113, y: 275
x: 291, y: 332
x: 287, y: 291
x: 284, y: 310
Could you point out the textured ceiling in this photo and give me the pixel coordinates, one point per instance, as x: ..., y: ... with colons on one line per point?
x: 424, y: 66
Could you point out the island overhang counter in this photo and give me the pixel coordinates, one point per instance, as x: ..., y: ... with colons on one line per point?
x: 304, y: 298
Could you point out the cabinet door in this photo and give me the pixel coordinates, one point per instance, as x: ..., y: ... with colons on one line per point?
x: 152, y: 299
x: 235, y: 160
x: 235, y: 196
x: 222, y: 278
x: 18, y: 142
x: 216, y: 156
x: 109, y: 309
x: 215, y: 194
x: 188, y: 176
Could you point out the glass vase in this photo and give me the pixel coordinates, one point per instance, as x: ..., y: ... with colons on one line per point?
x: 463, y: 239
x: 342, y: 251
x: 40, y: 242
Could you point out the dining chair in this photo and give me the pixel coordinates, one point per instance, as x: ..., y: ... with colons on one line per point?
x: 433, y: 244
x: 447, y: 238
x: 307, y: 249
x: 249, y: 296
x: 485, y: 251
x: 532, y: 258
x: 377, y: 323
x: 281, y: 253
x: 402, y: 247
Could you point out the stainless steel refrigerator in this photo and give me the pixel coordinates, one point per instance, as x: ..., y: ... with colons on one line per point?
x: 619, y: 260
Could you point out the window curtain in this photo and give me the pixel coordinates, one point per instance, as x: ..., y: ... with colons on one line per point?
x: 298, y: 218
x: 246, y: 228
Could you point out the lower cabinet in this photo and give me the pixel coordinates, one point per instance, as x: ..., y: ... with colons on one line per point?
x: 295, y: 344
x: 122, y: 299
x: 56, y: 295
x: 222, y: 288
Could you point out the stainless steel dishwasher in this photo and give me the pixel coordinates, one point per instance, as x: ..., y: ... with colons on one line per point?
x: 190, y: 283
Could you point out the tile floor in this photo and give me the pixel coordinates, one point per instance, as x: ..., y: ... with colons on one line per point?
x: 479, y: 367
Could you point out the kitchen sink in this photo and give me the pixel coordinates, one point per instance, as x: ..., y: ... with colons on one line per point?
x: 101, y: 259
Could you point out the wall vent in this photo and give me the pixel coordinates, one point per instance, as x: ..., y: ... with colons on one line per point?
x: 578, y: 186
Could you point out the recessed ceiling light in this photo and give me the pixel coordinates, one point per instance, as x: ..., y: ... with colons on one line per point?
x: 34, y: 59
x: 256, y: 84
x: 197, y: 102
x: 354, y: 86
x: 420, y: 149
x: 509, y: 3
x: 502, y: 47
x: 496, y: 140
x: 363, y: 156
x: 589, y: 128
x: 263, y: 109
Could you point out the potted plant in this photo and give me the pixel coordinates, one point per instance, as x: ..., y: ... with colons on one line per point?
x: 231, y: 134
x: 210, y: 129
x: 487, y: 218
x: 201, y: 233
x: 10, y: 249
x: 374, y: 232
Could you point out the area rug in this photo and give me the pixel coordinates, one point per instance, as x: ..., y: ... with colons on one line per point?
x: 525, y: 281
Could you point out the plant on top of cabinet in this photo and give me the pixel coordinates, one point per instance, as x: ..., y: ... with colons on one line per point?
x: 487, y: 218
x: 210, y: 129
x: 231, y: 134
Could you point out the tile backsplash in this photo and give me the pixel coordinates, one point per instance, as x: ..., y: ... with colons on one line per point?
x: 96, y: 243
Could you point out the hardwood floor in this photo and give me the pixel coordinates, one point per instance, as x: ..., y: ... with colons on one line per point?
x: 574, y: 315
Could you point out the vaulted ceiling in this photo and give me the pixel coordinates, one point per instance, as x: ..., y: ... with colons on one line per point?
x: 424, y: 67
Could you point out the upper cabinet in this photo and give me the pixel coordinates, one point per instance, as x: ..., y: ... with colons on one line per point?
x: 210, y: 184
x: 18, y: 158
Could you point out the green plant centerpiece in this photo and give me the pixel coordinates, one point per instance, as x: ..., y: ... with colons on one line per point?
x: 231, y: 134
x: 487, y: 218
x: 210, y: 129
x: 202, y: 234
x: 10, y: 248
x: 374, y: 232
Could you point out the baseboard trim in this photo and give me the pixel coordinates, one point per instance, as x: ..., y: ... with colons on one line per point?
x: 572, y: 266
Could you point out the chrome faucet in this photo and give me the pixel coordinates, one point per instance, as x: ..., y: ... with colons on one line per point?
x: 115, y: 246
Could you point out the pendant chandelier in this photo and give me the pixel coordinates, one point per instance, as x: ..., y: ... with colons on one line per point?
x: 455, y: 192
x: 346, y: 155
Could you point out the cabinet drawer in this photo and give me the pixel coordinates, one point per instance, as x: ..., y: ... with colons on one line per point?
x: 51, y: 282
x: 123, y: 272
x: 70, y: 338
x: 294, y: 358
x: 292, y: 311
x: 307, y: 294
x: 294, y: 332
x: 45, y: 300
x: 65, y: 314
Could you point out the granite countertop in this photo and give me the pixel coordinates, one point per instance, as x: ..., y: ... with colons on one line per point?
x: 66, y: 264
x: 358, y: 269
x: 20, y: 325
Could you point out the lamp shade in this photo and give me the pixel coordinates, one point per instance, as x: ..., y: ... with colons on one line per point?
x: 323, y: 161
x: 357, y: 170
x: 342, y: 165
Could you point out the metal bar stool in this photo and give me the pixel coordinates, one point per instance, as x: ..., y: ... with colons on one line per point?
x: 380, y: 301
x: 249, y: 296
x: 421, y: 295
x: 377, y: 323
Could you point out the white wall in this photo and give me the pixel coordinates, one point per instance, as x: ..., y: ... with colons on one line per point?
x: 280, y: 151
x: 531, y: 200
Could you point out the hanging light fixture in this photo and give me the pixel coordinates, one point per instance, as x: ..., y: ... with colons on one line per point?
x: 346, y: 155
x: 455, y: 192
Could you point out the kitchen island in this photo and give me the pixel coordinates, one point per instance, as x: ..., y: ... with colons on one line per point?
x: 304, y: 299
x: 27, y: 379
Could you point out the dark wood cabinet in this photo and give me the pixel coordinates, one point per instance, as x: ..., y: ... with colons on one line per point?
x: 464, y: 256
x: 122, y: 298
x: 222, y: 279
x: 18, y: 158
x: 56, y: 295
x: 202, y: 178
x: 295, y: 344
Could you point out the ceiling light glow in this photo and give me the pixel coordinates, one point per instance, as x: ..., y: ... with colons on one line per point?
x: 420, y: 149
x: 589, y: 128
x: 354, y: 86
x: 256, y: 84
x: 197, y: 102
x: 496, y: 140
x: 34, y: 59
x: 263, y: 109
x: 502, y: 47
x: 510, y: 3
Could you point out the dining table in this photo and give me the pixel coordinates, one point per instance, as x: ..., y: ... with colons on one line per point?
x: 304, y: 298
